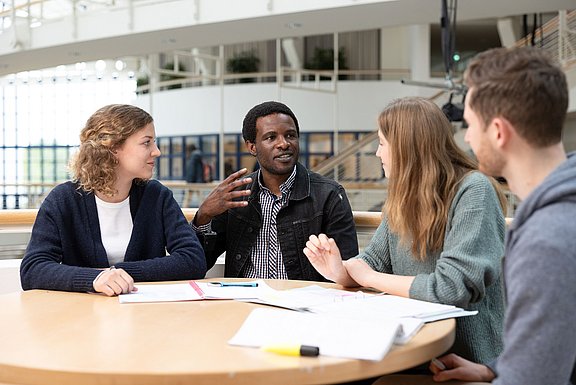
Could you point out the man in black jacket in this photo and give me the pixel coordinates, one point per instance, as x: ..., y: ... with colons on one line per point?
x: 263, y: 221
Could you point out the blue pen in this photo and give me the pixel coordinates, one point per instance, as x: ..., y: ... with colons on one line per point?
x: 237, y: 284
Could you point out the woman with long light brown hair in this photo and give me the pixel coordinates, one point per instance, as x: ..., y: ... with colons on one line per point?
x: 442, y: 234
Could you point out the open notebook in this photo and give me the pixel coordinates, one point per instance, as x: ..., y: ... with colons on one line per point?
x: 192, y: 291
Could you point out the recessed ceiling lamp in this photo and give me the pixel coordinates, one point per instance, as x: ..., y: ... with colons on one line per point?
x: 119, y: 65
x: 293, y: 25
x: 100, y: 65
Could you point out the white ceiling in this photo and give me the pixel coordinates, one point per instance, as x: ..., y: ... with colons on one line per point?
x: 161, y: 37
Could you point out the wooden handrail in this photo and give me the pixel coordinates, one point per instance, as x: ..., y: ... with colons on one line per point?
x: 10, y: 218
x: 189, y: 213
x: 20, y: 217
x: 23, y: 217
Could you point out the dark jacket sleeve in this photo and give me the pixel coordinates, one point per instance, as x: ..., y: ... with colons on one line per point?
x: 340, y: 224
x: 214, y: 244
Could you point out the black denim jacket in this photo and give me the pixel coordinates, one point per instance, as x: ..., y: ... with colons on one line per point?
x: 316, y: 205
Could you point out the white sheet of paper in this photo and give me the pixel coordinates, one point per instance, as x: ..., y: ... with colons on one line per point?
x: 409, y: 328
x: 161, y: 293
x: 458, y: 312
x: 307, y: 297
x: 186, y: 292
x: 233, y: 292
x: 345, y: 338
x: 383, y: 307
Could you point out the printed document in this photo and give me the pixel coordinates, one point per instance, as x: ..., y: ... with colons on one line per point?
x: 358, y: 339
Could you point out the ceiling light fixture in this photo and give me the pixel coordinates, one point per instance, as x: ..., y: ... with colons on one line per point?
x: 293, y: 25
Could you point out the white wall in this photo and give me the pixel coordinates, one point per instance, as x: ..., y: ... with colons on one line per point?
x: 10, y: 275
x: 199, y: 110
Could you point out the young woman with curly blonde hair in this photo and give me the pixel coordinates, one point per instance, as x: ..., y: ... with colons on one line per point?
x: 111, y: 225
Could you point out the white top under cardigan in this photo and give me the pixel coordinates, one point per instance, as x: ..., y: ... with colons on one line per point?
x: 115, y: 228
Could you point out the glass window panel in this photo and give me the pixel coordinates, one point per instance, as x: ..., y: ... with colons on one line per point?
x: 177, y: 147
x: 10, y: 160
x: 191, y: 140
x: 231, y: 143
x: 164, y: 146
x: 210, y: 143
x: 62, y: 163
x: 210, y: 161
x: 347, y: 171
x: 315, y: 160
x: 320, y: 143
x: 163, y: 168
x: 370, y: 168
x: 40, y: 118
x: 230, y: 166
x: 249, y: 162
x: 2, y: 166
x: 35, y: 165
x: 9, y: 129
x: 177, y: 167
x: 346, y: 139
x: 47, y: 164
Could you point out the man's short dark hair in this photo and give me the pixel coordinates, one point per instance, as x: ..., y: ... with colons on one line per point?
x: 264, y: 109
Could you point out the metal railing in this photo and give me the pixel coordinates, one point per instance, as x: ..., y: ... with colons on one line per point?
x: 558, y: 37
x: 304, y: 79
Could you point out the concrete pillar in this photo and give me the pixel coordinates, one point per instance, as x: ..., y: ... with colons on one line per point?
x: 506, y: 31
x: 420, y: 52
x: 395, y: 48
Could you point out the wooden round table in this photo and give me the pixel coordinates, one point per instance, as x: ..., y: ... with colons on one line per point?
x: 60, y: 338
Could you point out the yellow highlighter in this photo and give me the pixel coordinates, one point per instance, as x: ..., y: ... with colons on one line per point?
x: 293, y: 349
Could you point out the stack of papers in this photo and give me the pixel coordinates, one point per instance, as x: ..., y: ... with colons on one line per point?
x: 347, y: 304
x: 373, y: 321
x: 360, y: 339
x: 340, y: 323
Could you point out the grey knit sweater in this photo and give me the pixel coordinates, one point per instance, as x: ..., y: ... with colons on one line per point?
x: 466, y: 273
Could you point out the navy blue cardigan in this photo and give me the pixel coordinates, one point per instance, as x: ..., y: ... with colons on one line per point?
x: 65, y: 249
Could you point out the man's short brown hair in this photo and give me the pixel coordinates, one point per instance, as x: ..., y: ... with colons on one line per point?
x: 523, y: 86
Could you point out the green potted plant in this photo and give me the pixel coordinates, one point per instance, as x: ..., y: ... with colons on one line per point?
x: 244, y: 62
x: 142, y: 81
x: 323, y: 59
x: 166, y: 77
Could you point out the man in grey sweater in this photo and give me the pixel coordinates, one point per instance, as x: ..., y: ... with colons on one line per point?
x: 515, y: 109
